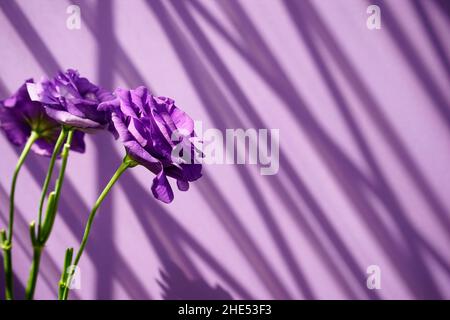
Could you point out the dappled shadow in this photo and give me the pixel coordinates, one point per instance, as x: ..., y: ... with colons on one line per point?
x: 423, y: 283
x: 98, y: 28
x: 346, y: 172
x: 211, y: 78
x: 221, y: 112
x: 30, y: 36
x: 417, y: 66
x: 175, y: 285
x: 166, y: 235
x: 105, y: 254
x: 438, y: 46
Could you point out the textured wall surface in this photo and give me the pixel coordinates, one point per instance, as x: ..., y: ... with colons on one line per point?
x: 364, y: 119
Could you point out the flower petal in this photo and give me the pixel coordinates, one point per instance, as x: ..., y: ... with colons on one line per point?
x: 138, y: 131
x: 126, y: 104
x: 42, y: 92
x: 69, y: 119
x: 43, y: 147
x: 161, y: 188
x: 134, y: 149
x: 78, y: 143
x: 192, y: 172
x: 183, y: 185
x: 142, y: 156
x: 15, y: 128
x: 139, y: 97
x: 111, y: 105
x: 182, y: 121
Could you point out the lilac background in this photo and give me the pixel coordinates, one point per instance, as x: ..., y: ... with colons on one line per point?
x: 365, y: 150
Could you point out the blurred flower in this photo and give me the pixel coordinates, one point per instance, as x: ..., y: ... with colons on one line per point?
x: 146, y: 125
x: 19, y: 116
x: 71, y: 100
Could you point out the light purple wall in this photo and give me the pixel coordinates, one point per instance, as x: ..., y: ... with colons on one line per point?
x: 364, y: 119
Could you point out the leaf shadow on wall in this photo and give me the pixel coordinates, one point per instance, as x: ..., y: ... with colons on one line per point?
x: 346, y: 173
x: 175, y: 285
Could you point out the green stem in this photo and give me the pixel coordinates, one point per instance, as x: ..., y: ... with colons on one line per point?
x: 62, y: 281
x: 39, y: 245
x: 64, y: 157
x: 32, y: 279
x: 9, y: 283
x: 59, y: 142
x: 31, y: 140
x: 7, y: 242
x: 124, y: 166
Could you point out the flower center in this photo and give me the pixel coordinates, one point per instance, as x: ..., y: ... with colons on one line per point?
x: 43, y: 127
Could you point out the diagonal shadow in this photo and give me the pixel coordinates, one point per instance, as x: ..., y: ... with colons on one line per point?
x: 194, y: 69
x: 125, y: 68
x: 436, y: 42
x: 270, y: 71
x: 443, y: 6
x: 176, y: 286
x: 164, y: 233
x: 29, y: 36
x: 259, y: 50
x: 391, y: 200
x: 406, y: 48
x: 105, y: 169
x: 204, y: 88
x: 387, y: 195
x: 403, y: 155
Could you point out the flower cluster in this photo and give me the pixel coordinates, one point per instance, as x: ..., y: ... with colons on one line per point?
x: 145, y: 124
x: 52, y: 116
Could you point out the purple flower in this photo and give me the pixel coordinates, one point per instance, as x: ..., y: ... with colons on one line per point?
x: 19, y: 116
x: 146, y: 125
x: 71, y: 100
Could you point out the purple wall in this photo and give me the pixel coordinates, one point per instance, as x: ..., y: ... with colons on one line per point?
x: 364, y: 118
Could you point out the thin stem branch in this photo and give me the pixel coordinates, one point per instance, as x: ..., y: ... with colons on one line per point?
x: 31, y: 140
x: 59, y: 142
x: 124, y: 166
x: 34, y: 271
x: 7, y: 242
x: 39, y: 245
